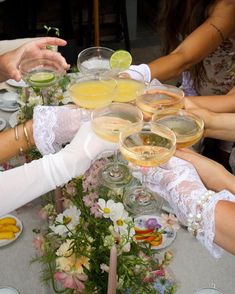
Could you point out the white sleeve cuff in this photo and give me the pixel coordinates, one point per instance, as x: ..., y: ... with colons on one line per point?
x: 144, y: 70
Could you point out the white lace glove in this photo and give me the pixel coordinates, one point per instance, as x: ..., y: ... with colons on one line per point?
x: 54, y: 126
x: 25, y: 183
x: 178, y: 182
x: 144, y: 70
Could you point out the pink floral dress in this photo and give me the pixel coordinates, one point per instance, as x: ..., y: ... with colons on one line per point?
x: 217, y: 66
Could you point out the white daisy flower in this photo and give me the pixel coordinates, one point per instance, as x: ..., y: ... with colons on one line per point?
x: 106, y: 207
x: 67, y: 220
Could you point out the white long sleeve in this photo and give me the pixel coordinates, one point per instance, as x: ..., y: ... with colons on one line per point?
x: 25, y: 183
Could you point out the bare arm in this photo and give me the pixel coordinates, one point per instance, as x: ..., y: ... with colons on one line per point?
x: 199, y: 44
x: 219, y: 103
x: 9, y: 146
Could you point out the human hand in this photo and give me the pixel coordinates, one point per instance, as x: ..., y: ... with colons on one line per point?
x: 9, y: 62
x: 213, y: 174
x: 55, y: 126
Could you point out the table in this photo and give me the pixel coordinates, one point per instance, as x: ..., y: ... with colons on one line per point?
x: 192, y: 265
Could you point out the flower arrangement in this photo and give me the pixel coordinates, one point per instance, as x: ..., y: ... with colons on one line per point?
x: 75, y: 246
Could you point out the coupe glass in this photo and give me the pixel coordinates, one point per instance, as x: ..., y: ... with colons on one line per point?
x: 92, y: 91
x: 147, y: 146
x: 160, y: 97
x: 107, y: 123
x: 94, y: 60
x: 187, y: 126
x: 130, y: 84
x: 41, y: 73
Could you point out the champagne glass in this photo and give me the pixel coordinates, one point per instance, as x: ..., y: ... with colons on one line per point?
x: 107, y: 123
x: 159, y: 97
x: 147, y: 146
x: 187, y: 126
x: 130, y: 84
x: 92, y: 91
x: 94, y: 60
x: 41, y: 73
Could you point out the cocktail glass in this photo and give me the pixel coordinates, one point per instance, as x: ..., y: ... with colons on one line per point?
x: 94, y: 60
x: 92, y: 91
x: 41, y: 73
x: 155, y: 98
x: 187, y: 126
x: 107, y: 123
x: 145, y: 146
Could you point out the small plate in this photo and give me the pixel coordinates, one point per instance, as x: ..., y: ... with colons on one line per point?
x: 167, y: 238
x: 10, y: 109
x: 13, y: 83
x: 5, y: 242
x: 8, y: 290
x: 3, y: 123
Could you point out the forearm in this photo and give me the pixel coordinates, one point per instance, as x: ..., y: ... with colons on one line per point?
x: 10, y: 146
x: 223, y: 103
x: 221, y: 126
x: 225, y: 225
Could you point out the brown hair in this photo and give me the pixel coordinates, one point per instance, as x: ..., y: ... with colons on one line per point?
x: 178, y: 19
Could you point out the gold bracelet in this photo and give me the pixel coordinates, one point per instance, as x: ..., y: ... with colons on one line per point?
x: 21, y: 149
x: 26, y: 136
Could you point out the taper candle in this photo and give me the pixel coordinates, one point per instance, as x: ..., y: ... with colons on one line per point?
x: 112, y: 280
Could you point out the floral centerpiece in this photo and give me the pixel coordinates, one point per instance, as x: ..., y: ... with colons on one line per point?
x: 75, y: 246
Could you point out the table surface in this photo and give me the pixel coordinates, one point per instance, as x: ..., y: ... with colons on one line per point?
x: 193, y: 266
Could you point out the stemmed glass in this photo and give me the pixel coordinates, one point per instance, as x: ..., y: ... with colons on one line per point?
x: 92, y: 91
x: 107, y: 123
x: 147, y: 146
x: 187, y: 126
x: 159, y: 97
x: 41, y: 73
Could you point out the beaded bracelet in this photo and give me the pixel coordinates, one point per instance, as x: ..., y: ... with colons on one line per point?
x: 194, y: 221
x: 26, y: 136
x: 21, y: 150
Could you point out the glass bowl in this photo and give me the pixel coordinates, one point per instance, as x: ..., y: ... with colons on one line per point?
x: 94, y: 60
x: 160, y: 97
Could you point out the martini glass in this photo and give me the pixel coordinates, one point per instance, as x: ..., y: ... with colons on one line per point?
x: 159, y: 97
x: 107, y: 123
x: 187, y: 126
x: 145, y: 146
x: 41, y: 73
x: 92, y: 91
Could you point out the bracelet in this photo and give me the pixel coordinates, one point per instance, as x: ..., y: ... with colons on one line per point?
x: 194, y: 221
x: 21, y: 150
x: 26, y: 136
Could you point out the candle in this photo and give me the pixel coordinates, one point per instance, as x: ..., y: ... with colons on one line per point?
x: 112, y: 281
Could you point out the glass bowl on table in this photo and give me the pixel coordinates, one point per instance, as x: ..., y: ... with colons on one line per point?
x: 94, y: 60
x: 92, y: 91
x: 145, y: 146
x: 187, y: 126
x: 160, y: 97
x: 107, y: 123
x: 41, y: 73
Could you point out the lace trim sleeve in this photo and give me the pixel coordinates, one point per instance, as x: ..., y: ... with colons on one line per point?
x: 44, y: 120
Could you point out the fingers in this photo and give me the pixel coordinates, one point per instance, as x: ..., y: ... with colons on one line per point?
x: 43, y: 42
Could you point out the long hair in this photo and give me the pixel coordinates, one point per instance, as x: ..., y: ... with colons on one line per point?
x: 178, y: 19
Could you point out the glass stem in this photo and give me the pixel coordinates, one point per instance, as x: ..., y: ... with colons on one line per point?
x: 144, y: 179
x: 115, y: 161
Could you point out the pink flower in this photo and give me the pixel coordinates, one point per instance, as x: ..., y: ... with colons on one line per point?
x: 71, y: 281
x: 38, y: 244
x: 170, y: 221
x: 95, y: 209
x: 43, y: 214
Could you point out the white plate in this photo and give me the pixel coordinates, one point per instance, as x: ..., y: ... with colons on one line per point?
x: 8, y: 290
x: 10, y: 109
x: 19, y: 224
x: 167, y: 238
x: 14, y: 83
x: 3, y: 123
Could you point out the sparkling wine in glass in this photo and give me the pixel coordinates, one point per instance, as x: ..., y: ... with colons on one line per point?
x: 41, y: 73
x: 155, y: 98
x: 187, y: 126
x: 92, y: 91
x: 145, y: 147
x: 107, y: 123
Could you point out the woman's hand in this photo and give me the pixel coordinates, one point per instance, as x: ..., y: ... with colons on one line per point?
x: 213, y: 174
x: 38, y: 48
